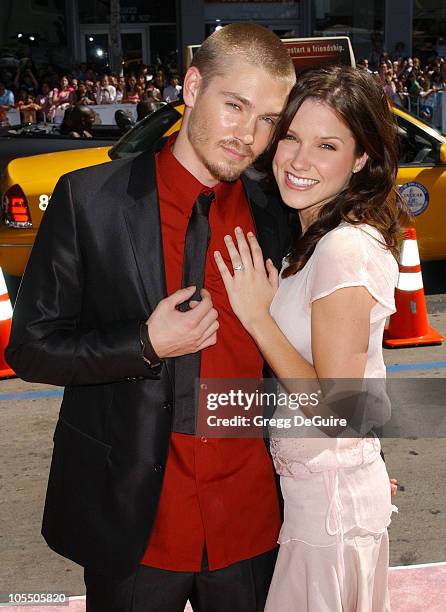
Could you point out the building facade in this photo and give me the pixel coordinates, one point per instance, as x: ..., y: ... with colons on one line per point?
x: 73, y: 31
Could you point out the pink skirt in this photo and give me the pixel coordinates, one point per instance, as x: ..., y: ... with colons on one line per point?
x: 334, y: 545
x: 306, y: 578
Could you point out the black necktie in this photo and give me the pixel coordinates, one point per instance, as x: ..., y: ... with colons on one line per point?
x: 187, y: 367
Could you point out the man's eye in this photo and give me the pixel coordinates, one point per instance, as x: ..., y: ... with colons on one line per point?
x: 328, y: 147
x: 289, y: 137
x: 233, y: 105
x: 269, y: 120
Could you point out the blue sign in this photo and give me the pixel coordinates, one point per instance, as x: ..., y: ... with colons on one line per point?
x: 416, y: 196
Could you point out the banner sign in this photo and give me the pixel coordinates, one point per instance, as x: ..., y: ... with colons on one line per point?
x: 315, y: 52
x: 308, y: 52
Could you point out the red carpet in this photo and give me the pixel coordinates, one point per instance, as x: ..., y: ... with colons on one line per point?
x: 413, y: 588
x: 418, y: 588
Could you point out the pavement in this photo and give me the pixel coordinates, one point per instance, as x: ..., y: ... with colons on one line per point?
x: 417, y: 534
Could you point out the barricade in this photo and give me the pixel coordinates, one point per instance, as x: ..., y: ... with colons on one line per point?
x: 437, y: 102
x: 105, y: 113
x: 13, y: 116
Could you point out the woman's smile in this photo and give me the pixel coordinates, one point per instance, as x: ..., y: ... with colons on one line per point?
x: 299, y: 182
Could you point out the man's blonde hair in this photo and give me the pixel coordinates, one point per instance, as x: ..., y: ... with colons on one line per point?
x: 243, y: 41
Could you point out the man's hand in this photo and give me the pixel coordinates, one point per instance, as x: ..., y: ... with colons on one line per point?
x: 393, y: 486
x: 174, y: 333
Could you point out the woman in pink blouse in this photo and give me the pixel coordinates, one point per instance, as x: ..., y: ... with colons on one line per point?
x: 133, y: 93
x: 62, y: 96
x: 319, y: 324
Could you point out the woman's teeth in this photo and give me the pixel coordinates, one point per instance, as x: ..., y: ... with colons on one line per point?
x: 301, y: 182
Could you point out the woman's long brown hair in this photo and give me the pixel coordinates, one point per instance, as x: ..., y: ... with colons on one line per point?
x: 370, y: 196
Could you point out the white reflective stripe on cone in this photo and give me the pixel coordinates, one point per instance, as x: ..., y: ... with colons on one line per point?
x: 5, y: 310
x: 409, y: 253
x: 3, y: 288
x: 410, y: 281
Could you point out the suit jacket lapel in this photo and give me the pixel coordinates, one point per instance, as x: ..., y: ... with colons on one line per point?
x: 265, y: 222
x: 144, y: 225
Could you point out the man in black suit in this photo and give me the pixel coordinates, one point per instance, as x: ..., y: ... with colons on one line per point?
x: 154, y: 514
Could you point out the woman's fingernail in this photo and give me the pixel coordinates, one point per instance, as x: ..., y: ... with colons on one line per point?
x: 238, y: 230
x: 228, y: 238
x: 250, y: 235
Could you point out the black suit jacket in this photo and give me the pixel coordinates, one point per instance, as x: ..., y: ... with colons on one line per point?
x: 96, y: 270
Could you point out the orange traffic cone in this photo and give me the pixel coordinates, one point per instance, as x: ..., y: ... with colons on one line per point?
x: 5, y: 327
x: 409, y: 325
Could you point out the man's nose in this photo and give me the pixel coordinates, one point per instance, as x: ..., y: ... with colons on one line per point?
x: 246, y: 130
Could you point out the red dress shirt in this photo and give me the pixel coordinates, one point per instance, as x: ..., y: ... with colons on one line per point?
x: 218, y: 491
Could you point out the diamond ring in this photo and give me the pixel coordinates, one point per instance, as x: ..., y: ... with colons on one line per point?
x: 240, y: 267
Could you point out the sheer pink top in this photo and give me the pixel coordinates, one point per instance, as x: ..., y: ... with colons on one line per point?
x: 347, y: 256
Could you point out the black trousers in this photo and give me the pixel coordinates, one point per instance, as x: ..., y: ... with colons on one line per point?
x: 240, y: 587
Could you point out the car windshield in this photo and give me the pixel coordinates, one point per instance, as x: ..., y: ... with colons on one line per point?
x: 415, y: 145
x: 145, y: 133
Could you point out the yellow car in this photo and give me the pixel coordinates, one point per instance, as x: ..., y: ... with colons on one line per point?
x: 29, y: 182
x: 422, y: 181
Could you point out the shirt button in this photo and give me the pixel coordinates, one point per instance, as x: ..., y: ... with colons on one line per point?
x: 167, y: 406
x: 203, y: 439
x: 158, y: 467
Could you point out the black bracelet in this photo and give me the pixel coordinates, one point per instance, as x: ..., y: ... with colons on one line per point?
x: 148, y: 352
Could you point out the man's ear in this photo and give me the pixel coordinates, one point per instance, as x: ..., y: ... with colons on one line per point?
x: 191, y: 86
x: 360, y: 163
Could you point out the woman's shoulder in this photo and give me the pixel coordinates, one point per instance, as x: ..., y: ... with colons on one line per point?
x: 362, y: 246
x: 353, y: 239
x: 344, y: 239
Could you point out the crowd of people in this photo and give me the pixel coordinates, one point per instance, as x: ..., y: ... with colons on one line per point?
x: 411, y: 83
x: 45, y: 95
